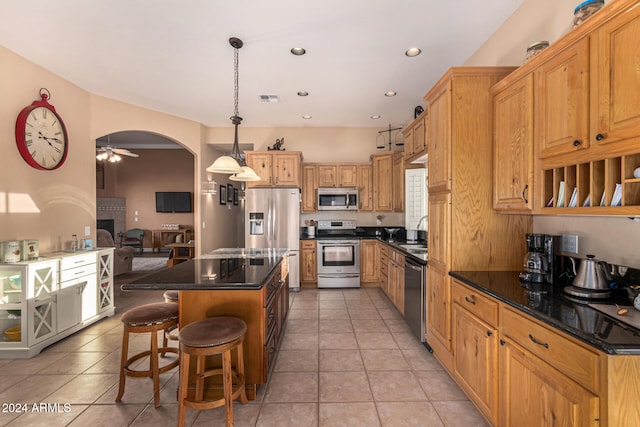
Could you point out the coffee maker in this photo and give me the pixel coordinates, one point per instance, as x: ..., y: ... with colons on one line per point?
x: 541, y: 264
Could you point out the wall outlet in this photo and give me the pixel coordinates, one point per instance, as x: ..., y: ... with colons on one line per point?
x: 87, y: 230
x: 569, y: 243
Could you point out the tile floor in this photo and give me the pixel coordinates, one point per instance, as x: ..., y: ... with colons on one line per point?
x: 347, y: 359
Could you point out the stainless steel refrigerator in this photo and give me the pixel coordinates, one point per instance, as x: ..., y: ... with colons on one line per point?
x: 272, y: 220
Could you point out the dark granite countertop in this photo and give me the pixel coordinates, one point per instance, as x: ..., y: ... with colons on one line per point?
x: 554, y: 308
x: 210, y: 274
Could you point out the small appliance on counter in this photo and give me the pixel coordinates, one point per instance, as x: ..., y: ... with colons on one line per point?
x: 591, y: 280
x: 541, y: 263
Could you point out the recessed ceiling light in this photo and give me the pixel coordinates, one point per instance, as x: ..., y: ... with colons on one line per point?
x: 303, y: 93
x: 375, y: 117
x: 413, y: 51
x: 298, y: 51
x: 307, y: 117
x: 390, y: 93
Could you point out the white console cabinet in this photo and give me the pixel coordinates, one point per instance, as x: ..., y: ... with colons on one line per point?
x: 51, y: 298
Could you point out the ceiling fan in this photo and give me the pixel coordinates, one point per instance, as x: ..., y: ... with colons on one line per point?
x: 113, y: 154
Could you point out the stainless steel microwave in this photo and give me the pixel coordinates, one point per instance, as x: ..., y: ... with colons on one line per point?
x: 337, y: 199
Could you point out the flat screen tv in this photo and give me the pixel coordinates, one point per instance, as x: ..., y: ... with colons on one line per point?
x: 173, y: 201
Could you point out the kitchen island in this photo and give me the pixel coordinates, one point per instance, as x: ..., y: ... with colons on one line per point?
x: 251, y: 284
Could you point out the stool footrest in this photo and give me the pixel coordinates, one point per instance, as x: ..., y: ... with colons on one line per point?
x: 137, y: 373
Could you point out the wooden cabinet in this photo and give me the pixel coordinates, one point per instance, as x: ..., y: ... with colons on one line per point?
x: 264, y: 311
x: 327, y: 176
x: 398, y: 182
x: 465, y: 232
x: 587, y: 122
x: 560, y: 376
x: 364, y: 181
x: 369, y: 272
x: 308, y: 263
x: 562, y: 102
x: 475, y: 343
x: 281, y: 169
x: 513, y: 147
x: 395, y: 286
x: 415, y: 139
x: 105, y: 280
x: 309, y: 188
x: 439, y: 136
x: 388, y: 182
x: 347, y: 176
x: 383, y: 262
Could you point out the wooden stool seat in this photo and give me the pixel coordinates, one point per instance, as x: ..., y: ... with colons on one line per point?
x: 147, y: 318
x: 170, y: 296
x: 208, y: 337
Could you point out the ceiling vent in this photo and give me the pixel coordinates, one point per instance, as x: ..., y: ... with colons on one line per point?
x: 269, y: 98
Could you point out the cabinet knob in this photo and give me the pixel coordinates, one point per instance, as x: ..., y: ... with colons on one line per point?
x: 600, y: 137
x: 502, y: 342
x: 576, y: 143
x: 470, y: 300
x: 489, y: 333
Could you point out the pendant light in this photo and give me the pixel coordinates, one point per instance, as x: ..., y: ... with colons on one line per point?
x: 234, y: 163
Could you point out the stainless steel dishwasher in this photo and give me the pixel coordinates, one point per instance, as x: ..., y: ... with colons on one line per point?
x: 415, y: 288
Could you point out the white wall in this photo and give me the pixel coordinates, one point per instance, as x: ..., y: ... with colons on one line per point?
x: 612, y: 239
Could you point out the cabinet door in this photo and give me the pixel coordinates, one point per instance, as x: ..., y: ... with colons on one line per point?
x: 365, y: 188
x: 383, y: 183
x: 562, y: 102
x: 368, y: 264
x: 347, y: 176
x: 419, y: 136
x: 407, y: 139
x: 41, y: 320
x: 399, y: 284
x: 439, y: 140
x: 439, y: 236
x: 89, y: 297
x: 327, y: 175
x: 475, y: 360
x: 69, y: 307
x: 439, y: 306
x: 308, y: 262
x: 287, y: 170
x: 261, y: 164
x: 309, y: 188
x: 398, y: 182
x: 105, y: 279
x: 534, y: 394
x: 616, y: 76
x: 513, y: 147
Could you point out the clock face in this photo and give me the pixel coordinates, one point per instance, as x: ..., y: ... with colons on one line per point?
x: 44, y: 142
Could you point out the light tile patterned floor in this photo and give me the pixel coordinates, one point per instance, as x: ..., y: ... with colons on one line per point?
x: 347, y: 359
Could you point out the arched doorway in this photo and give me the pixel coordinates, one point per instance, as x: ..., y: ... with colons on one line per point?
x: 127, y: 184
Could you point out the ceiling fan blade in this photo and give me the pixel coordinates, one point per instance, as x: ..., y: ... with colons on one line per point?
x: 124, y: 152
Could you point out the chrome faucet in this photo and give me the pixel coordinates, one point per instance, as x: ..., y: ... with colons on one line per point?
x: 420, y: 222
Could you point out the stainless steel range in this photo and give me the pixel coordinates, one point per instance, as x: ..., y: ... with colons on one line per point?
x: 338, y: 254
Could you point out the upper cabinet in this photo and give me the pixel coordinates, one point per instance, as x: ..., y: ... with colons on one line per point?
x: 415, y: 139
x: 388, y: 181
x: 439, y: 137
x: 513, y: 147
x: 562, y: 104
x: 337, y: 175
x: 365, y: 187
x: 309, y: 188
x: 587, y: 122
x: 276, y: 169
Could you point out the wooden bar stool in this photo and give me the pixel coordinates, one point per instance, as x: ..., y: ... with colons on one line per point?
x: 172, y: 332
x: 147, y: 318
x: 208, y: 337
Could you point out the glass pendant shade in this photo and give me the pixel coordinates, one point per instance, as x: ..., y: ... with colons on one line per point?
x: 225, y: 164
x: 247, y: 174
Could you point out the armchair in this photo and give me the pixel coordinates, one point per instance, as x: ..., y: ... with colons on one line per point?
x: 133, y: 238
x: 122, y: 258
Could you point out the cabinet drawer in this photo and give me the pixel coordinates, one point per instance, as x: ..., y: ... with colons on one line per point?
x: 307, y: 244
x: 575, y: 361
x: 384, y: 266
x: 384, y: 250
x: 77, y: 260
x: 271, y: 318
x: 473, y: 301
x: 77, y: 272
